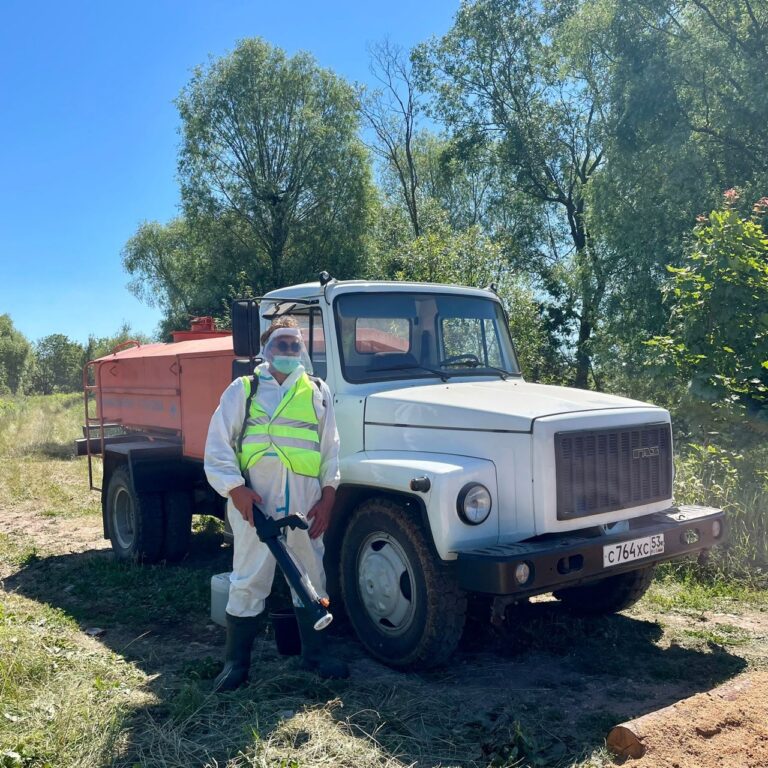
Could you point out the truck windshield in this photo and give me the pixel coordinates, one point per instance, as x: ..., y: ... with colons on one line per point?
x: 422, y: 335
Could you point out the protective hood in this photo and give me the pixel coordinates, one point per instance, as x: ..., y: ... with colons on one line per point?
x: 284, y: 347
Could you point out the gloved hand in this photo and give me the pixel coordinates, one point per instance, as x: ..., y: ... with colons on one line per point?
x: 244, y: 498
x: 320, y: 514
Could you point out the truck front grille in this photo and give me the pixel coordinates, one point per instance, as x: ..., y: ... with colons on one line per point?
x: 604, y: 470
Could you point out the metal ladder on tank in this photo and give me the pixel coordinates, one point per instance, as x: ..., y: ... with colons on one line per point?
x: 92, y: 367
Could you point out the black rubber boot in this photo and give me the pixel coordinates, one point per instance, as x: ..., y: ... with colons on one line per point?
x: 241, y: 632
x: 312, y: 655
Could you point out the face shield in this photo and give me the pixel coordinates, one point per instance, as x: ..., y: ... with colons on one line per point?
x: 285, y: 351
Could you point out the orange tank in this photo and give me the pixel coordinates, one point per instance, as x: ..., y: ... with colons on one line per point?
x: 165, y: 390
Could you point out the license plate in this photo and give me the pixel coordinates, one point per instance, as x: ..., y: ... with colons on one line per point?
x: 626, y: 551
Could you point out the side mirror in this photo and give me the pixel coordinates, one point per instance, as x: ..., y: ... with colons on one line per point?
x: 242, y: 366
x: 245, y: 327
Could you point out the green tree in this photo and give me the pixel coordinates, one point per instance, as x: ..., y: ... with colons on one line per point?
x: 189, y: 269
x: 58, y: 365
x: 463, y: 178
x: 507, y: 72
x: 164, y: 261
x: 391, y: 111
x: 420, y: 169
x: 687, y: 117
x: 271, y: 141
x: 99, y: 346
x: 14, y: 356
x: 469, y: 257
x: 718, y: 330
x: 719, y: 49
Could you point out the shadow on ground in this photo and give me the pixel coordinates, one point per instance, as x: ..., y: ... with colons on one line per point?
x: 543, y: 688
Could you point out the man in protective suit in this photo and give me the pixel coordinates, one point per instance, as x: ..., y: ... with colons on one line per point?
x: 287, y: 447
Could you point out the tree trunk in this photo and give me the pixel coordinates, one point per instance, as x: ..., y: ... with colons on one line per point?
x: 588, y: 304
x: 583, y: 360
x: 276, y: 264
x: 631, y: 738
x: 278, y: 239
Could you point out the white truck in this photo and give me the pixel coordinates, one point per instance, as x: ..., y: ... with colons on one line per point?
x: 457, y: 476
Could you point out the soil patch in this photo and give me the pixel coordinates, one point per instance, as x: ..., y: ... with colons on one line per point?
x: 709, y: 731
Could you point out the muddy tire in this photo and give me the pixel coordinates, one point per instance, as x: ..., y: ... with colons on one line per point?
x: 609, y: 595
x: 134, y: 520
x: 177, y: 506
x: 403, y: 603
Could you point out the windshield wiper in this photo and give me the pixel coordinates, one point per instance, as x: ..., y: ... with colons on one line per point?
x: 504, y: 374
x: 444, y: 375
x: 477, y: 364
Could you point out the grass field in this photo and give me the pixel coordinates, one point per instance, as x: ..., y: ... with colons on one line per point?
x: 109, y: 664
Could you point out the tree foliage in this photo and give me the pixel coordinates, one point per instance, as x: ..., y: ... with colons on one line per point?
x: 166, y: 263
x: 191, y: 270
x: 391, y: 111
x: 687, y: 119
x: 469, y: 257
x: 271, y: 142
x: 506, y: 72
x: 718, y: 333
x: 58, y: 365
x: 100, y: 346
x: 15, y: 352
x: 569, y: 149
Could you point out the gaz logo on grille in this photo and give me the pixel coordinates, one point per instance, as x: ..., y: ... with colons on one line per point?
x: 645, y: 453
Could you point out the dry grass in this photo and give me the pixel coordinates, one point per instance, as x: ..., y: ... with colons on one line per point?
x: 39, y: 470
x: 63, y: 698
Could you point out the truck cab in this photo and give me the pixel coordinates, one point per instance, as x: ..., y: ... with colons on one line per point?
x: 459, y: 479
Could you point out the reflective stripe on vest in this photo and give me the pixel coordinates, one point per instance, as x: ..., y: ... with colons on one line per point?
x: 292, y: 432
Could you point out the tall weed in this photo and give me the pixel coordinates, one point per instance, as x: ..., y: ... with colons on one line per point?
x: 29, y: 424
x: 737, y: 482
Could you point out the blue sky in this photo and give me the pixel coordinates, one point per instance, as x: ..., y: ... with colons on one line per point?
x: 88, y: 130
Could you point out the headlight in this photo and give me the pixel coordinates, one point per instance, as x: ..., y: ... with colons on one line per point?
x: 474, y: 504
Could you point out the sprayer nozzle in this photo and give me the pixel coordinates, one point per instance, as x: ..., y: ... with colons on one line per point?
x: 323, y: 622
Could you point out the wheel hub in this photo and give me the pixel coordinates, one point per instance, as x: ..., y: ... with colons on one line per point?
x: 124, y: 518
x: 385, y: 580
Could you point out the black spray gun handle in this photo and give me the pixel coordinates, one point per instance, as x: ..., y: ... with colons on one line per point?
x: 270, y: 532
x: 270, y: 528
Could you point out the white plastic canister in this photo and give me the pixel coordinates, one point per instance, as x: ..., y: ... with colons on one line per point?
x: 219, y: 598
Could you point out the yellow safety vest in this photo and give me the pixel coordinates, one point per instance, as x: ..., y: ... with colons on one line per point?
x: 292, y: 431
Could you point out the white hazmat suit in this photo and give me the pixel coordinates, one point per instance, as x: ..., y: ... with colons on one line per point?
x: 282, y: 492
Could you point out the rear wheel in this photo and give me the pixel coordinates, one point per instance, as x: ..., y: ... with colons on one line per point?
x: 134, y: 520
x: 609, y: 595
x: 404, y: 604
x: 178, y: 524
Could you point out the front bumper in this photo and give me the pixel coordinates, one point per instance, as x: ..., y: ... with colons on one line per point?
x: 568, y: 560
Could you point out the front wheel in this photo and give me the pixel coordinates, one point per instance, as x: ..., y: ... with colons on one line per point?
x: 404, y: 604
x: 609, y: 595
